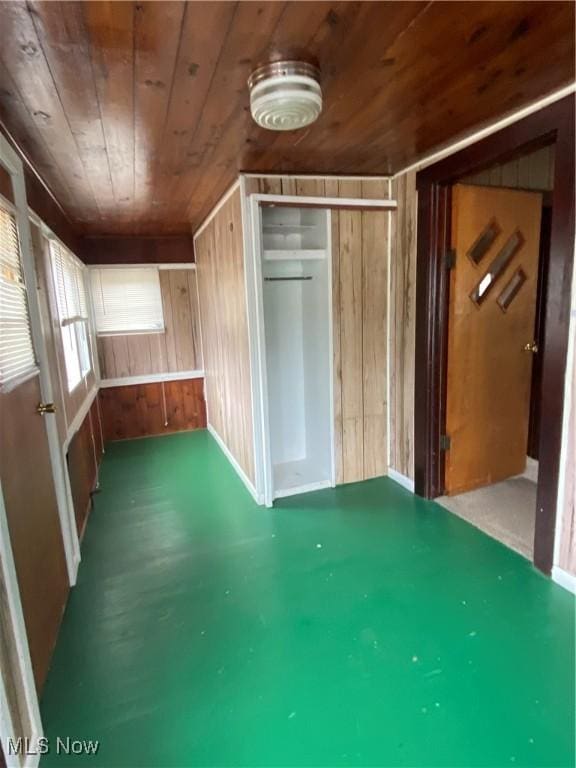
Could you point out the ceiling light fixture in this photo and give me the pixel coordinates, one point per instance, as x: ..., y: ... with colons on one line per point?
x: 285, y: 95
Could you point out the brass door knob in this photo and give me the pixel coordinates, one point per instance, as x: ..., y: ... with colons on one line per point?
x: 531, y: 346
x: 44, y: 408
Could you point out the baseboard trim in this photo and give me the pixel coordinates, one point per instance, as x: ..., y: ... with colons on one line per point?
x: 239, y: 471
x: 401, y: 479
x: 565, y: 579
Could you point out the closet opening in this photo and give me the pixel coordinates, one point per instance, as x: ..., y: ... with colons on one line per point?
x: 294, y: 267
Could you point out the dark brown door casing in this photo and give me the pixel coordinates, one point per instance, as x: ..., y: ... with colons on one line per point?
x: 551, y: 125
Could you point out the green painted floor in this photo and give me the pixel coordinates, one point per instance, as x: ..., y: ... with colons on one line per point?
x: 359, y: 626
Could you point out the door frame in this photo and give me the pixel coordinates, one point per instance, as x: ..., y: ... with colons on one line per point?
x: 553, y: 124
x: 13, y: 164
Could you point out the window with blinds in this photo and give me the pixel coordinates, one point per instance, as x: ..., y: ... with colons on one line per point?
x: 127, y: 300
x: 17, y: 360
x: 68, y: 274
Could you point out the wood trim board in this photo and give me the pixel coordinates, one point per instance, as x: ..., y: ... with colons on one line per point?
x: 334, y: 203
x: 151, y: 378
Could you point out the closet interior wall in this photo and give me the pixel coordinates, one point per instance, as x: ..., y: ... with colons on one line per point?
x: 360, y: 240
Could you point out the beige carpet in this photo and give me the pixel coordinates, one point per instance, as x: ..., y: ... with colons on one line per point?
x: 506, y: 511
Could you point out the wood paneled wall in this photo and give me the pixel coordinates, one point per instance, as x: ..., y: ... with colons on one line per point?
x: 359, y: 286
x: 403, y: 325
x: 533, y: 171
x: 177, y: 349
x: 141, y: 410
x: 169, y: 249
x: 220, y: 269
x: 84, y: 455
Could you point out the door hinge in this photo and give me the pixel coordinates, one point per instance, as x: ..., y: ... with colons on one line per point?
x: 450, y: 258
x: 444, y: 442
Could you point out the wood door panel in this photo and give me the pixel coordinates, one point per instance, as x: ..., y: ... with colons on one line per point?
x: 489, y: 372
x: 33, y: 521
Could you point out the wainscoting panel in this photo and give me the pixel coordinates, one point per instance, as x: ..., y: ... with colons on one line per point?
x: 84, y: 455
x: 158, y: 408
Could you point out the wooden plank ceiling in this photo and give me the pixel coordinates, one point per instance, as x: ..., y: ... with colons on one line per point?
x: 136, y: 113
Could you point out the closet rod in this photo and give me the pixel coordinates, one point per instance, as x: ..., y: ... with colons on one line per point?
x: 278, y: 279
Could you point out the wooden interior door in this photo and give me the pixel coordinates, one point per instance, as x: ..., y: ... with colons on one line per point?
x: 33, y: 521
x: 27, y: 471
x: 492, y: 306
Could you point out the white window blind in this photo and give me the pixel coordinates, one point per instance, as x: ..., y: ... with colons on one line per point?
x: 127, y: 300
x: 17, y: 359
x: 68, y: 275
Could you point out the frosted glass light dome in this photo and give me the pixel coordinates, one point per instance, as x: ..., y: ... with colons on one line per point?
x: 285, y: 95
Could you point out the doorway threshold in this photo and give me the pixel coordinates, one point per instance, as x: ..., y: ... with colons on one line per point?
x: 505, y: 511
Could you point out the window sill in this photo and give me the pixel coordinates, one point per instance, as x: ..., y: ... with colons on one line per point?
x: 105, y: 334
x: 152, y: 378
x: 83, y: 380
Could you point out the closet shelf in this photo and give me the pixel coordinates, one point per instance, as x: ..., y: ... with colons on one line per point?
x: 295, y: 254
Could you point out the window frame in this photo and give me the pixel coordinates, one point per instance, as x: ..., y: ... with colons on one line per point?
x: 77, y: 351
